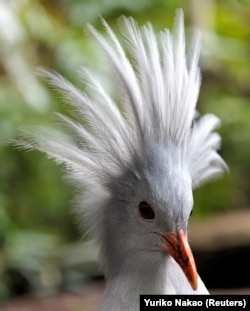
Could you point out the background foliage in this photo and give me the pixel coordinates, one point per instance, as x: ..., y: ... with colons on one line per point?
x: 34, y: 200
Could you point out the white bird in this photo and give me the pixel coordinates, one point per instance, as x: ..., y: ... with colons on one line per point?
x: 135, y: 153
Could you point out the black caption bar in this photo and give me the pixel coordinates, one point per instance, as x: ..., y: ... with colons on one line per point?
x: 194, y: 302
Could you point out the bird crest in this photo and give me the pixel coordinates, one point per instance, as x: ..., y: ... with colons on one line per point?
x: 156, y: 81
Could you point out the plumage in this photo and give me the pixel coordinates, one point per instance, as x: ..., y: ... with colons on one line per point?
x: 140, y: 142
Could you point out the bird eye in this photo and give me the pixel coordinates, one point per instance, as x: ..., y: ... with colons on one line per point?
x: 146, y: 210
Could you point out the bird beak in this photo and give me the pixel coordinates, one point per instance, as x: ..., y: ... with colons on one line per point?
x: 178, y: 247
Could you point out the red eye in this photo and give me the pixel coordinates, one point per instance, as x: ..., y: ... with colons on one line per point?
x: 146, y: 210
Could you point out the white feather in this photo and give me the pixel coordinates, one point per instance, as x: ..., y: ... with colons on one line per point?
x: 159, y: 89
x: 155, y: 146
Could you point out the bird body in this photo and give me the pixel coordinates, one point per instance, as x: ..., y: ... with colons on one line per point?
x: 135, y: 155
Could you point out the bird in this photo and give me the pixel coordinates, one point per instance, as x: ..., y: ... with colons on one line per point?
x: 135, y: 149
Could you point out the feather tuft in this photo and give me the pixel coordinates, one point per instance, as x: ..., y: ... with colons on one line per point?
x: 158, y: 83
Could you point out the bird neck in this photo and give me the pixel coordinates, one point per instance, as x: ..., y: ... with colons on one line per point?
x: 123, y: 290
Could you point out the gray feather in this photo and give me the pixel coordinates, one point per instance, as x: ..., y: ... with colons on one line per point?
x: 146, y: 143
x: 159, y: 86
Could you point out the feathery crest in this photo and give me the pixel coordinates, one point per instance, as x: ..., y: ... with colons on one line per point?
x: 157, y: 83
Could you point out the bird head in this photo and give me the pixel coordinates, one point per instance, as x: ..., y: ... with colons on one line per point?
x: 148, y: 212
x: 137, y: 152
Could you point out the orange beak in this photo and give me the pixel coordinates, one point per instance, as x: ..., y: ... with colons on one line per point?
x: 178, y: 247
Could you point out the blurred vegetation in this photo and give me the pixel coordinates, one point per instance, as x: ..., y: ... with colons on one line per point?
x: 35, y: 217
